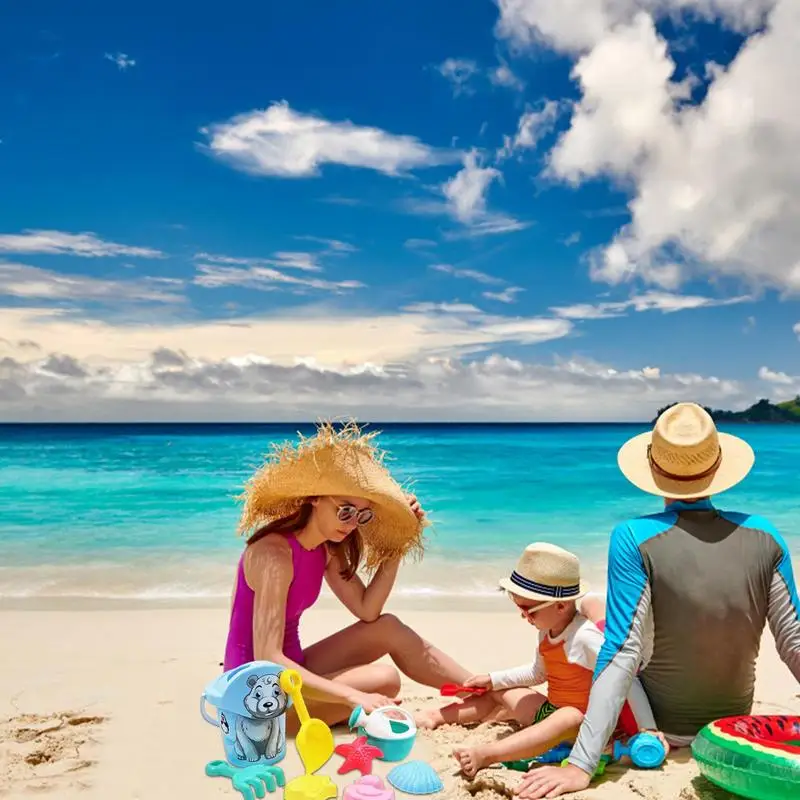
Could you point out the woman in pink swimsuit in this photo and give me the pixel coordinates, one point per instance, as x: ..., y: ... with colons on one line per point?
x: 321, y: 511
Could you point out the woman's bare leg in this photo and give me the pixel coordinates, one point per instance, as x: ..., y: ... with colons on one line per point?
x: 467, y: 712
x: 366, y: 642
x: 511, y: 704
x: 561, y: 725
x: 348, y: 656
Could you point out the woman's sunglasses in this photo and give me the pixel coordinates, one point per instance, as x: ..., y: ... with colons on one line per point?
x: 347, y: 513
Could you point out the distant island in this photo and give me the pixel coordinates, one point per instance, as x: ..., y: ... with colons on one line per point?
x: 762, y: 411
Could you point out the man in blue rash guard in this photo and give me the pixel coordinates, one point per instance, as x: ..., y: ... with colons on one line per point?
x: 690, y: 590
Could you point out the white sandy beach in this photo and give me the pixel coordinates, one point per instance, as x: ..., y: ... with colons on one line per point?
x: 103, y: 703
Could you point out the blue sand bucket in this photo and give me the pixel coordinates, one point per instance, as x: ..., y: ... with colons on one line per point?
x: 250, y: 711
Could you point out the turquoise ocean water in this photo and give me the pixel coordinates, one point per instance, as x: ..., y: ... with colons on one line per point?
x: 149, y: 512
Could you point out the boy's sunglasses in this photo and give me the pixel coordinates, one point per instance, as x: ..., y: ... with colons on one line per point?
x: 530, y: 610
x: 347, y: 513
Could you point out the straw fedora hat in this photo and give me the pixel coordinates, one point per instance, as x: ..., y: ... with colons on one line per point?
x: 548, y: 573
x: 684, y: 456
x: 343, y: 462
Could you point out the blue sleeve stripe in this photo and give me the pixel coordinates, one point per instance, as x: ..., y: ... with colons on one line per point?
x: 626, y: 584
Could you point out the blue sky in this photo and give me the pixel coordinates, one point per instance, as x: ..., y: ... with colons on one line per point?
x: 515, y: 211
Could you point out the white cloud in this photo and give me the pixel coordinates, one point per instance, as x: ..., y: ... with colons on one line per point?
x: 459, y: 72
x: 465, y: 200
x: 284, y: 143
x: 284, y: 260
x: 507, y: 295
x: 214, y: 276
x: 469, y: 274
x: 716, y: 185
x: 173, y: 384
x: 766, y: 374
x: 465, y: 193
x: 419, y: 244
x: 574, y: 26
x: 531, y: 127
x: 666, y: 302
x: 268, y: 274
x: 502, y: 75
x: 782, y: 386
x: 122, y: 60
x: 462, y: 72
x: 87, y: 245
x: 447, y: 308
x: 796, y: 329
x: 331, y: 337
x: 332, y: 245
x: 33, y: 283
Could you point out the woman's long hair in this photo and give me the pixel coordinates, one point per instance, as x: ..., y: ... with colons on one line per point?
x: 349, y: 552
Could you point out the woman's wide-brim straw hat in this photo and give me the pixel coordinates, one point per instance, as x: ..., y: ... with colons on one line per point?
x: 684, y: 456
x: 341, y: 462
x: 548, y: 573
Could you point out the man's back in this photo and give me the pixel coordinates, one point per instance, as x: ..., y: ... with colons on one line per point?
x: 689, y: 591
x: 715, y: 577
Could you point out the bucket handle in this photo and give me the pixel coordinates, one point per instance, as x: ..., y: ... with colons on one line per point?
x: 205, y: 714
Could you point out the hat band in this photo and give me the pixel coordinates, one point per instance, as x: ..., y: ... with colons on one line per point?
x: 544, y: 588
x: 673, y: 477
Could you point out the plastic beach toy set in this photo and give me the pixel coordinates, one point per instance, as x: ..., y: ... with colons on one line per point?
x: 752, y: 757
x: 251, y: 703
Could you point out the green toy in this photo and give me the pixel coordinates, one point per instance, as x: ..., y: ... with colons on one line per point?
x: 524, y: 764
x: 253, y: 781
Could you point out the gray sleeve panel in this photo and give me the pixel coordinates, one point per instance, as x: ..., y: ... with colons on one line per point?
x: 784, y: 622
x: 611, y: 687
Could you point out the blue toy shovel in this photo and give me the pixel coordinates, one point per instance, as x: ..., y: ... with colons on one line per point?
x: 251, y: 782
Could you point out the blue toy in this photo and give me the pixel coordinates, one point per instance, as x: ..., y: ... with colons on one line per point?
x: 553, y: 756
x: 391, y: 729
x: 645, y: 750
x: 251, y: 713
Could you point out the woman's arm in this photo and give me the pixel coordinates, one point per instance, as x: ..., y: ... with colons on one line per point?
x: 367, y: 602
x: 268, y: 570
x: 364, y: 602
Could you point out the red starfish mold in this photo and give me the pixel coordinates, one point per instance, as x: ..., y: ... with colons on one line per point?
x: 358, y: 755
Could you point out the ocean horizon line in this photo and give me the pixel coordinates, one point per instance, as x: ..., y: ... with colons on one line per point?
x: 494, y: 424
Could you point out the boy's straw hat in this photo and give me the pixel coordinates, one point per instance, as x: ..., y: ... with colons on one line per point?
x: 684, y: 456
x: 343, y: 463
x: 546, y: 572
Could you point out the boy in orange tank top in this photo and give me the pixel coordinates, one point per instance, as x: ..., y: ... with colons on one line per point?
x: 547, y: 589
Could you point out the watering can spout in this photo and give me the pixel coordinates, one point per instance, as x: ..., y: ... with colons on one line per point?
x: 358, y: 718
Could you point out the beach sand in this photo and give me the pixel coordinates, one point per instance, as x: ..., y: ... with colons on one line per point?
x: 104, y: 703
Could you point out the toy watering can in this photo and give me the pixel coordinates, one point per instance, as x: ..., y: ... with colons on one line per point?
x: 645, y: 750
x: 250, y: 711
x: 389, y: 728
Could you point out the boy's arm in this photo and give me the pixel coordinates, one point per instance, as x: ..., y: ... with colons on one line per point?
x: 783, y: 612
x: 527, y: 675
x: 619, y: 658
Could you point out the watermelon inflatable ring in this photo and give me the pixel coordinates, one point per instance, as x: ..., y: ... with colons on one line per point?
x: 753, y: 757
